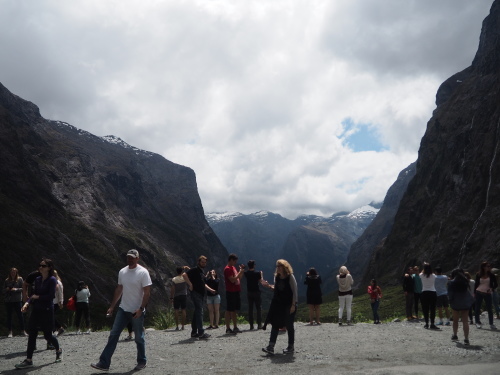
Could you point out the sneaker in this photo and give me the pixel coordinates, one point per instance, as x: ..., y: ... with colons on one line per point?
x: 236, y: 330
x: 269, y: 349
x: 129, y: 337
x: 229, y: 331
x: 289, y: 350
x: 439, y: 323
x: 88, y: 332
x: 50, y: 346
x: 60, y: 331
x: 194, y: 335
x: 349, y: 323
x: 466, y: 342
x: 493, y: 327
x: 454, y: 338
x: 340, y: 323
x: 78, y: 332
x: 177, y: 329
x: 59, y: 355
x: 434, y: 327
x: 204, y: 336
x: 478, y: 325
x: 210, y: 327
x: 25, y: 364
x: 448, y: 323
x: 140, y: 366
x: 99, y: 366
x: 426, y: 326
x: 25, y: 334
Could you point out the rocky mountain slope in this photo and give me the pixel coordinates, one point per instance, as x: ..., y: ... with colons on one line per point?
x: 450, y: 212
x: 305, y: 242
x: 83, y: 201
x: 363, y: 248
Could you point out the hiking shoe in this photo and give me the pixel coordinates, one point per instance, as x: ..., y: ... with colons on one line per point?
x: 434, y: 327
x: 60, y: 331
x: 236, y: 330
x: 140, y: 366
x: 466, y: 342
x: 129, y: 337
x: 25, y: 364
x: 59, y: 355
x: 289, y: 350
x: 269, y: 349
x: 426, y: 326
x: 99, y: 366
x: 454, y: 338
x: 230, y: 331
x: 340, y: 323
x: 194, y: 335
x: 204, y: 336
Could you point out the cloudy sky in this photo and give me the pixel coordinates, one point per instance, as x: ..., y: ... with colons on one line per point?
x: 296, y: 107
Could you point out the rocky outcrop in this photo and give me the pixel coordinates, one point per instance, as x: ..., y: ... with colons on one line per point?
x: 84, y: 200
x: 449, y: 213
x: 362, y: 249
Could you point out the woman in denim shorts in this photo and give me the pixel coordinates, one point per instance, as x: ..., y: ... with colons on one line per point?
x: 213, y: 299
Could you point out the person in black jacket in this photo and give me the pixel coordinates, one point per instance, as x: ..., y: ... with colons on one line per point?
x: 460, y: 301
x: 408, y: 289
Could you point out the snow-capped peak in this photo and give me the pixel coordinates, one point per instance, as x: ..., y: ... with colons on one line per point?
x: 220, y: 217
x: 365, y: 211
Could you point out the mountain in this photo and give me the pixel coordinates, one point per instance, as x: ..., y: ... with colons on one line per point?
x: 362, y: 249
x: 306, y: 241
x: 450, y: 212
x: 84, y: 200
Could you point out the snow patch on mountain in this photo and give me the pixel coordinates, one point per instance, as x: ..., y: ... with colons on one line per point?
x: 221, y: 217
x: 363, y: 212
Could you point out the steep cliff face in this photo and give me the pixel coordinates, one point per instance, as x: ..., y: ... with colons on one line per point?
x: 84, y: 200
x: 450, y: 212
x: 363, y: 248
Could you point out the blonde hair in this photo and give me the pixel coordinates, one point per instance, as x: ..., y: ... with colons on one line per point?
x: 343, y: 270
x: 56, y: 275
x: 286, y: 266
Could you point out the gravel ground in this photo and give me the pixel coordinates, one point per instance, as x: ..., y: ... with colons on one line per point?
x: 393, y: 348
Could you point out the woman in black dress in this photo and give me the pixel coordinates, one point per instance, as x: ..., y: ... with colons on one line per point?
x: 314, y: 295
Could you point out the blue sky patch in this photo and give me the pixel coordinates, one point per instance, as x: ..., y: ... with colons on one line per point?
x: 361, y: 137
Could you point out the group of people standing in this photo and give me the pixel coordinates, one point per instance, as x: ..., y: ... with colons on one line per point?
x: 41, y: 295
x: 464, y: 295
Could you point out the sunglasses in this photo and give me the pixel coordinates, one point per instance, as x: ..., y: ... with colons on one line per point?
x: 43, y: 265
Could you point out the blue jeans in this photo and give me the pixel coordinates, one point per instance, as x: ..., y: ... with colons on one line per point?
x: 121, y: 320
x: 375, y: 306
x: 479, y: 301
x: 197, y: 321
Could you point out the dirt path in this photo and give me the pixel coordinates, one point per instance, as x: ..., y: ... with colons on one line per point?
x: 394, y: 348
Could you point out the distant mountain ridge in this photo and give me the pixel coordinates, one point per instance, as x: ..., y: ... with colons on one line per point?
x: 308, y: 240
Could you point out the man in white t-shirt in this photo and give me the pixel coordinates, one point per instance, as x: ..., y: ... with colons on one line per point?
x: 134, y: 285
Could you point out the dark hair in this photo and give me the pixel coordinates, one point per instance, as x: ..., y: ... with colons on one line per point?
x: 438, y: 270
x: 251, y: 263
x: 313, y: 272
x: 81, y: 285
x: 179, y: 270
x: 49, y: 263
x: 482, y: 271
x: 427, y: 271
x: 460, y: 281
x: 374, y: 282
x: 232, y: 257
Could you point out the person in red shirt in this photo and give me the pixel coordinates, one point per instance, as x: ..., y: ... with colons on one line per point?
x: 233, y: 288
x: 375, y: 294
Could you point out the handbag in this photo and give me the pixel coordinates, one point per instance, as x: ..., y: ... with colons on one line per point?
x: 71, y: 305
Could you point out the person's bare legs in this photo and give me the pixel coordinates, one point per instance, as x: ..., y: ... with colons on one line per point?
x: 176, y: 315
x: 465, y: 322
x: 216, y: 314
x: 455, y: 323
x: 318, y: 310
x: 211, y: 314
x: 183, y: 318
x: 311, y: 314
